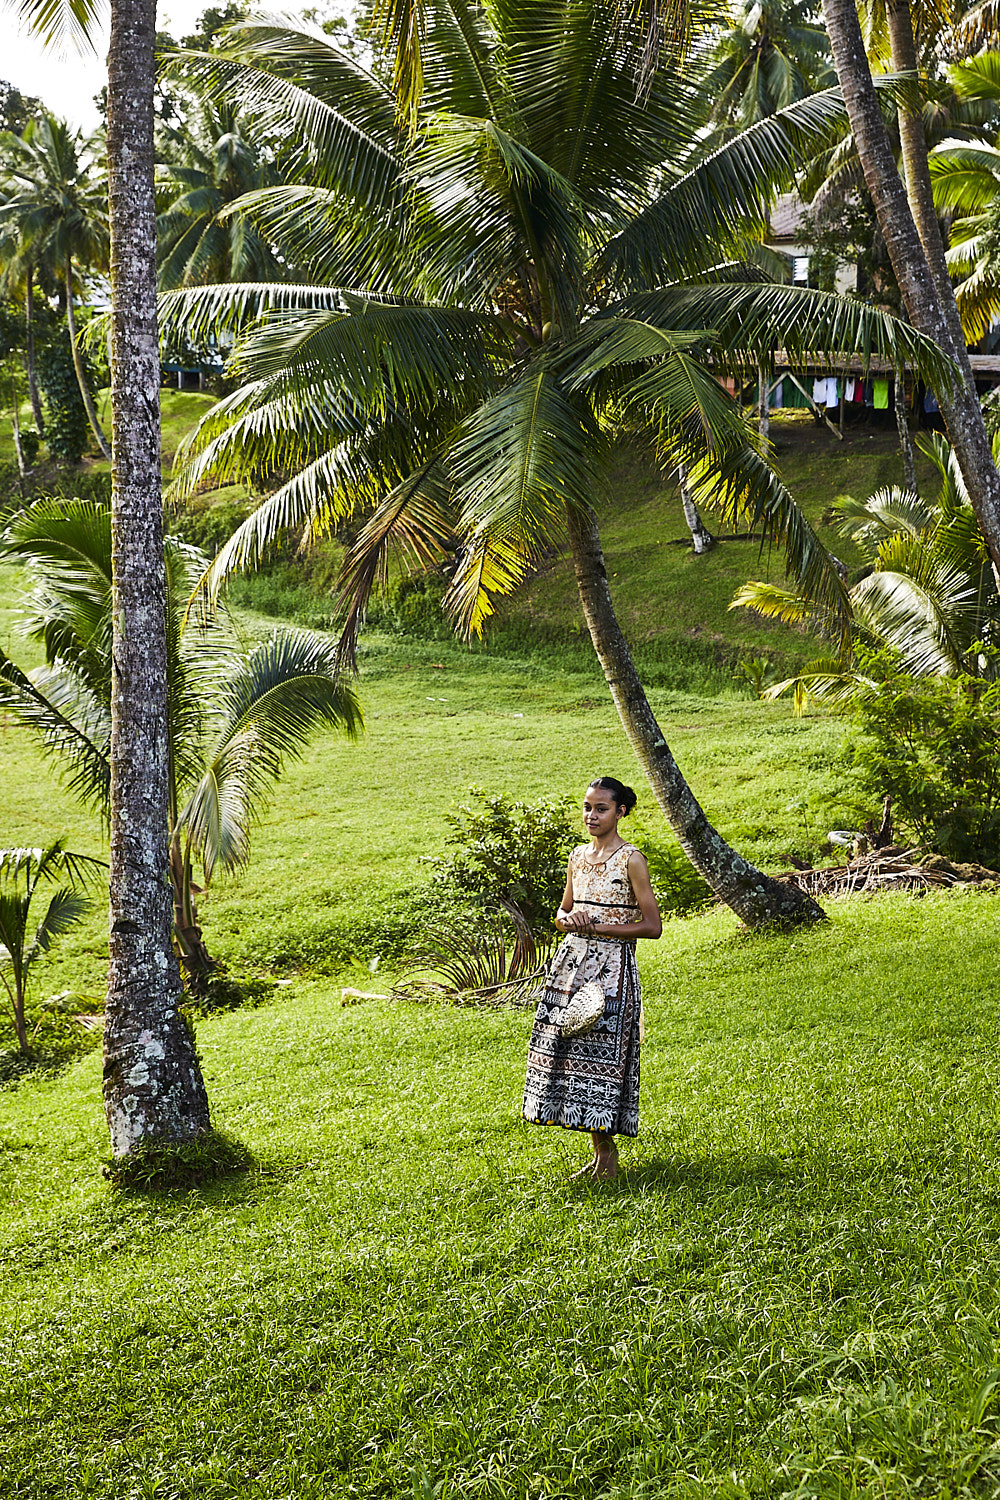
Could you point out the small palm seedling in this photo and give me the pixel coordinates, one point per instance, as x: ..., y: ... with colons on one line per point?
x: 475, y: 963
x: 927, y: 598
x: 235, y: 716
x: 27, y: 874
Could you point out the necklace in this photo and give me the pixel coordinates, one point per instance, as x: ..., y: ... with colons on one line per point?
x: 604, y: 858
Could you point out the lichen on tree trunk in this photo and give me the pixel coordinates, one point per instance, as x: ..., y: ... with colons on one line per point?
x: 755, y: 897
x: 152, y: 1081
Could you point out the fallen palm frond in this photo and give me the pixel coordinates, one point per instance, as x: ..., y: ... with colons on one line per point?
x: 892, y: 869
x: 462, y: 964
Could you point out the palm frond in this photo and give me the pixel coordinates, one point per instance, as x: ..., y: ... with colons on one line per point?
x: 888, y: 510
x: 775, y: 603
x: 65, y: 909
x: 519, y: 463
x: 73, y: 723
x: 272, y: 702
x: 64, y: 24
x: 414, y: 524
x: 752, y: 319
x: 917, y: 621
x: 350, y: 149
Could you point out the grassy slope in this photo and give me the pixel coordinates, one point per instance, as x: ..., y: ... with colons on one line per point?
x: 344, y: 838
x: 792, y: 1290
x: 673, y: 606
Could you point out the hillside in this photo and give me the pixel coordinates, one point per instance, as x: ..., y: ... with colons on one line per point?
x: 674, y: 606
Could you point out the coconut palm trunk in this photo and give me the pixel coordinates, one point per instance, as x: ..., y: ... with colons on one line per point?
x: 756, y: 898
x: 903, y: 429
x: 30, y: 360
x: 923, y: 296
x: 701, y: 537
x: 81, y: 378
x: 152, y: 1082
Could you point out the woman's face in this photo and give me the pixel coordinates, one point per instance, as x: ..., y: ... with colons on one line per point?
x: 600, y: 812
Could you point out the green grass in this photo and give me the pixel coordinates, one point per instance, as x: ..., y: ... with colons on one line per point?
x: 792, y: 1290
x: 344, y: 844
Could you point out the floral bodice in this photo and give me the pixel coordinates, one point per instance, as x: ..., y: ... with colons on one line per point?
x: 604, y: 890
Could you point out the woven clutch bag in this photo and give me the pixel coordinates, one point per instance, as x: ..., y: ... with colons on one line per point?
x: 584, y: 1010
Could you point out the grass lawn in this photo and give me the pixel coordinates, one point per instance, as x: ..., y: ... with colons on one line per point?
x: 792, y: 1289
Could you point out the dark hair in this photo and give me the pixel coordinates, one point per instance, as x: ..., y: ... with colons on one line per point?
x: 624, y: 796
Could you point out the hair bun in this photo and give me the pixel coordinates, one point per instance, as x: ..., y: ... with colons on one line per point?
x: 624, y: 796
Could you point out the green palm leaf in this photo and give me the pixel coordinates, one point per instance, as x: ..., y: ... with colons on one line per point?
x: 355, y: 153
x: 74, y: 724
x: 520, y: 462
x: 413, y: 524
x: 272, y: 702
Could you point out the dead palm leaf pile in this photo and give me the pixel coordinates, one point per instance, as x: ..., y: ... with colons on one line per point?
x: 890, y: 869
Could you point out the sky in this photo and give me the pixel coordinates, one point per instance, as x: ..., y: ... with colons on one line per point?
x: 67, y: 85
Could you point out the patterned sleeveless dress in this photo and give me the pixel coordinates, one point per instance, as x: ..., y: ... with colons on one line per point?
x: 590, y: 1082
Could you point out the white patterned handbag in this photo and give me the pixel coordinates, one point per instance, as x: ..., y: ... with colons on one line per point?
x: 584, y: 1009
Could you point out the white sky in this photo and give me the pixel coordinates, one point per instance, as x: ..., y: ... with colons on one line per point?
x: 67, y: 85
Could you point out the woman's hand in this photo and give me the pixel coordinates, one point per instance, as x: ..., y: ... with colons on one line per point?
x: 575, y: 921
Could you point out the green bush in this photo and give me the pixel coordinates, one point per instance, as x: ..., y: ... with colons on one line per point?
x: 207, y: 527
x: 66, y: 427
x: 413, y: 608
x: 512, y: 851
x: 933, y: 745
x: 677, y: 886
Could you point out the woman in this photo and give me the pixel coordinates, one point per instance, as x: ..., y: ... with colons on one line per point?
x: 591, y: 1081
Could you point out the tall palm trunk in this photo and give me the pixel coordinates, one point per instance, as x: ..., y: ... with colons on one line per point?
x: 30, y: 362
x: 757, y: 898
x: 81, y: 378
x: 152, y: 1083
x: 903, y: 429
x: 924, y: 297
x: 700, y: 535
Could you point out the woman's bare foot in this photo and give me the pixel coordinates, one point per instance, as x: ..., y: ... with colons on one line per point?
x: 588, y: 1171
x: 605, y: 1158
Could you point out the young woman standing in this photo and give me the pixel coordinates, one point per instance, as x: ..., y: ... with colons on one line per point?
x: 591, y: 1081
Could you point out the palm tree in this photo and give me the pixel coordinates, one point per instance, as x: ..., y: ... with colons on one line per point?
x: 204, y: 166
x: 927, y: 596
x: 770, y: 53
x: 153, y: 1085
x: 527, y: 274
x: 54, y: 207
x: 913, y: 239
x: 235, y: 716
x: 966, y: 180
x: 24, y: 873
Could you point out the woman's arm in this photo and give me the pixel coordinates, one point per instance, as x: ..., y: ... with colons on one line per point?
x: 566, y: 919
x: 649, y: 924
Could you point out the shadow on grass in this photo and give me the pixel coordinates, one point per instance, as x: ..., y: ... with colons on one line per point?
x: 707, y: 1176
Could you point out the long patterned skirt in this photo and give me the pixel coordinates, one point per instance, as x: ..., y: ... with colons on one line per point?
x: 588, y: 1082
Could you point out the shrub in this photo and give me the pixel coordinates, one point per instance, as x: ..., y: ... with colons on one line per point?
x: 66, y: 427
x: 933, y: 744
x: 207, y: 527
x: 512, y: 851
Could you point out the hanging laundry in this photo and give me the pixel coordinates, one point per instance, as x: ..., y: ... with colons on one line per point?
x: 859, y: 390
x: 882, y: 394
x: 930, y: 402
x: 819, y: 390
x: 776, y: 397
x: 849, y: 389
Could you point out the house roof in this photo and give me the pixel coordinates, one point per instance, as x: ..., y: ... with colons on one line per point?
x: 786, y: 216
